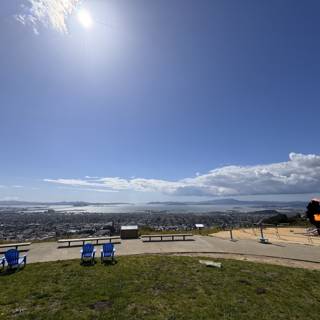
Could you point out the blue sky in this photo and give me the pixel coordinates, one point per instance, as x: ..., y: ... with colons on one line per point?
x: 159, y: 100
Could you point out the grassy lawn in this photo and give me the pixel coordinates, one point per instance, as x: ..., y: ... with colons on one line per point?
x: 159, y: 287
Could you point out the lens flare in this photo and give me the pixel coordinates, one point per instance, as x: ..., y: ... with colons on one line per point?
x: 85, y: 19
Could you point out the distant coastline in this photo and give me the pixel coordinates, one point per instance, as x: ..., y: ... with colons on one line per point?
x: 224, y: 202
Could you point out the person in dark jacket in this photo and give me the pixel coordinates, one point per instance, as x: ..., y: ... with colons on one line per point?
x: 313, y: 213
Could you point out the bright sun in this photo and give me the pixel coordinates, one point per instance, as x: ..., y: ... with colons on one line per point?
x: 84, y: 18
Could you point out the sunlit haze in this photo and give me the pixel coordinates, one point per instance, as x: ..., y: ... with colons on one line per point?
x: 178, y: 100
x: 84, y: 18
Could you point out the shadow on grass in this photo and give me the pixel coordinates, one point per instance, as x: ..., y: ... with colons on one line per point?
x: 91, y: 263
x: 109, y: 262
x: 8, y: 272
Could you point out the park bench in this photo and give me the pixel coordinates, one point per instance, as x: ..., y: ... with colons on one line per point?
x: 166, y: 237
x: 84, y: 240
x: 14, y: 245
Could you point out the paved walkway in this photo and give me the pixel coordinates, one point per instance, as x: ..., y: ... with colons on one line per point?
x: 49, y: 251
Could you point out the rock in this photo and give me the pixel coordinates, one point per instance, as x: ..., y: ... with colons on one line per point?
x: 209, y: 263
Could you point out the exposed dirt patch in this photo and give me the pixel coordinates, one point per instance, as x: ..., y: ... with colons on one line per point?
x: 260, y: 259
x: 296, y: 235
x: 245, y: 281
x: 261, y: 290
x: 101, y: 305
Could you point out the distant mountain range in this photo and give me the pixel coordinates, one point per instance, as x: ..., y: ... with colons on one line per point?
x: 234, y: 202
x: 217, y: 202
x: 61, y: 203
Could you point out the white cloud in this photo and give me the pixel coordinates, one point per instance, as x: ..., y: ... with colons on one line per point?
x: 98, y: 190
x: 72, y: 182
x: 89, y: 189
x: 49, y: 13
x: 300, y: 174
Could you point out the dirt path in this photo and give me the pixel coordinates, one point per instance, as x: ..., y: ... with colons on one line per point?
x: 260, y: 259
x: 294, y: 235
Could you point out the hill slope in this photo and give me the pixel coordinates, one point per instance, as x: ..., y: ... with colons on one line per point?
x: 159, y: 287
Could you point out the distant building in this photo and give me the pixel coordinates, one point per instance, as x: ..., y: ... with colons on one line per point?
x: 129, y: 232
x: 199, y: 226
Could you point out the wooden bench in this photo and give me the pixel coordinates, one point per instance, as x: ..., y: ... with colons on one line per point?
x: 84, y: 240
x: 166, y: 237
x: 14, y: 245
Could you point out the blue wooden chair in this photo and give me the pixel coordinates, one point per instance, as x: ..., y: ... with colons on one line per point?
x: 13, y: 259
x: 2, y: 262
x: 108, y: 250
x: 87, y: 253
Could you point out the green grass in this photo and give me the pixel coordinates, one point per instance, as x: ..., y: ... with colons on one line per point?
x: 159, y: 287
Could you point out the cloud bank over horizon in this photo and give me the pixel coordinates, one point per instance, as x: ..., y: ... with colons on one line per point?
x: 300, y: 174
x: 49, y: 13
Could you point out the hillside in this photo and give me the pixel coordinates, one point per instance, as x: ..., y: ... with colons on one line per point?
x: 159, y: 287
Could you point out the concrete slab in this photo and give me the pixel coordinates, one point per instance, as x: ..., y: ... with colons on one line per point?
x: 49, y: 251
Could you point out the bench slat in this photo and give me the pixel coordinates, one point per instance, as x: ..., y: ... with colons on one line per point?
x: 8, y: 245
x: 162, y: 236
x: 167, y: 235
x: 83, y: 240
x: 88, y: 239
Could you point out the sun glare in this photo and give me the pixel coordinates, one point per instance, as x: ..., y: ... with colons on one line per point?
x: 84, y: 18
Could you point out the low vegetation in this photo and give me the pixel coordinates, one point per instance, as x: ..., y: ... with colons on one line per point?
x: 159, y: 287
